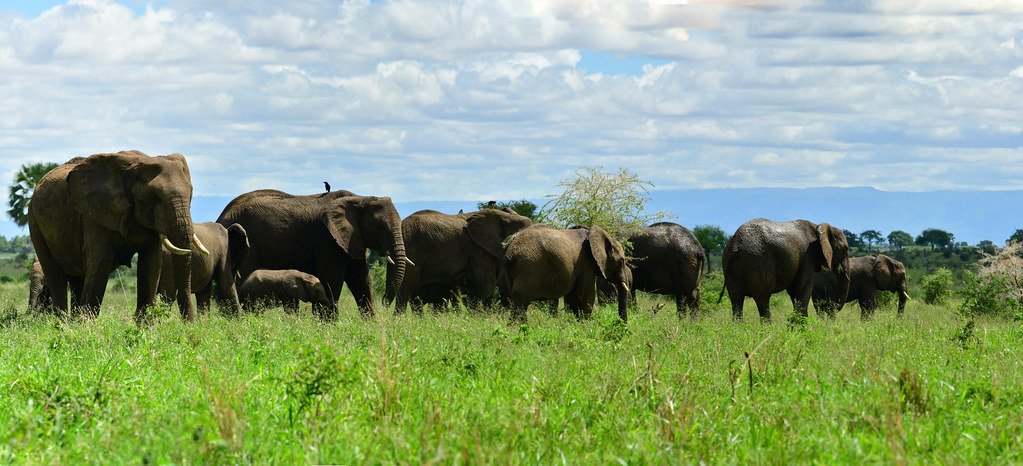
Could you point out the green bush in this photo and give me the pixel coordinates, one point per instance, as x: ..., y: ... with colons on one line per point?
x: 937, y: 286
x: 990, y: 294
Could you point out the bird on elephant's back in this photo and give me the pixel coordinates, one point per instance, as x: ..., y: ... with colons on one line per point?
x: 326, y: 235
x: 92, y: 214
x: 765, y: 257
x: 453, y: 255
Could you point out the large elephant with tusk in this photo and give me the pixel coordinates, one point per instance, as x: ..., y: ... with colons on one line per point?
x: 325, y: 235
x: 92, y: 214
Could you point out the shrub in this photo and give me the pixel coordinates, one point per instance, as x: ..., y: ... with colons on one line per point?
x: 937, y: 286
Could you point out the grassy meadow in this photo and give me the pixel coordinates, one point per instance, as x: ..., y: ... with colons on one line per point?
x: 467, y: 387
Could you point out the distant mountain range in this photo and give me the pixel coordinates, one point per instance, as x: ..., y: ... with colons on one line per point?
x: 971, y: 215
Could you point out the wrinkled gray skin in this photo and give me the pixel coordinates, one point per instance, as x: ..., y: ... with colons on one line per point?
x: 228, y: 248
x: 285, y: 287
x: 765, y: 257
x: 867, y: 276
x: 92, y: 214
x: 544, y: 263
x: 453, y: 253
x: 38, y: 295
x: 666, y: 259
x: 325, y: 235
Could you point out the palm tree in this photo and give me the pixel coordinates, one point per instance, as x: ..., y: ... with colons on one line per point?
x: 21, y: 191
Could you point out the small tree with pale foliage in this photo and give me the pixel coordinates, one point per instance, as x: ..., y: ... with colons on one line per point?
x: 997, y: 287
x: 615, y: 202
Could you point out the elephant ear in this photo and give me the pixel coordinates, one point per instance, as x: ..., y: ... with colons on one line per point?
x: 100, y: 189
x: 237, y: 246
x: 825, y: 240
x: 882, y: 269
x: 602, y: 249
x: 343, y: 224
x: 485, y: 230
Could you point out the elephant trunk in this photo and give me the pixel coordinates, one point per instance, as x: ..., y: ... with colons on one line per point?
x: 903, y: 297
x: 181, y: 235
x: 624, y: 296
x: 844, y: 281
x: 395, y: 279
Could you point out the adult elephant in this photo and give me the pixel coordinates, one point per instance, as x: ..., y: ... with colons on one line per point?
x: 544, y: 263
x: 667, y: 259
x: 228, y: 248
x: 325, y: 235
x: 765, y: 257
x: 94, y: 213
x: 453, y: 253
x: 867, y: 276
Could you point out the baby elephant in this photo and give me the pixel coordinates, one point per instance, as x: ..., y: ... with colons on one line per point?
x: 868, y: 275
x: 284, y: 287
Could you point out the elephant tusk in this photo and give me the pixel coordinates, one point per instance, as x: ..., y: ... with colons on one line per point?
x: 626, y: 287
x: 389, y: 260
x: 198, y: 245
x: 170, y: 247
x: 409, y: 261
x: 906, y: 295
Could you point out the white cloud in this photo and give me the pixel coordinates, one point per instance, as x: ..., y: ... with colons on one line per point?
x: 444, y: 99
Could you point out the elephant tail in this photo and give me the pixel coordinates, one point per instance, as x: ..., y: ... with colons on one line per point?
x: 722, y: 293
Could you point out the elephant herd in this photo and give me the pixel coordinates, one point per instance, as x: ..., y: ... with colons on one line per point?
x: 93, y: 214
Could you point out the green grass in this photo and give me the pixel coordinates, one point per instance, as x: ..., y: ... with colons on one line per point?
x: 464, y: 387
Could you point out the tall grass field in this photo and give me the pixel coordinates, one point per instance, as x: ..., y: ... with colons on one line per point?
x: 468, y: 387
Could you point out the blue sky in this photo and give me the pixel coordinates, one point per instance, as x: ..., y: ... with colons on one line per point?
x: 465, y: 99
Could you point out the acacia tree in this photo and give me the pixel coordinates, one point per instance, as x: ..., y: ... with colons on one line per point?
x: 20, y: 193
x: 899, y: 239
x: 936, y: 238
x: 712, y: 238
x: 615, y: 202
x: 871, y: 237
x: 1016, y: 237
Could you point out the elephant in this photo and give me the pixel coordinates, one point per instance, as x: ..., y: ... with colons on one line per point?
x: 765, y: 257
x: 38, y: 294
x: 544, y: 263
x: 324, y: 234
x: 287, y: 287
x: 867, y: 276
x: 454, y: 253
x: 228, y: 248
x: 94, y: 213
x: 667, y: 258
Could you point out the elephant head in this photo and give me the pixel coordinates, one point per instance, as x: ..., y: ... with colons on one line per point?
x: 360, y: 222
x: 144, y: 199
x: 237, y: 247
x: 488, y: 228
x: 834, y: 249
x: 309, y: 289
x: 890, y: 275
x: 610, y: 257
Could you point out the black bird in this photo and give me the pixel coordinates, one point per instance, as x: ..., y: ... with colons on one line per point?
x: 326, y: 185
x: 491, y: 204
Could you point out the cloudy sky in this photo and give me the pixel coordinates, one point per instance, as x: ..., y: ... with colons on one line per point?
x: 498, y: 99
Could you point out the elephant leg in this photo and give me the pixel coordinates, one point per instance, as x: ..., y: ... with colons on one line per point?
x: 552, y: 307
x: 693, y: 301
x: 56, y: 284
x: 149, y: 268
x: 76, y: 284
x: 801, y: 298
x: 680, y: 306
x: 202, y: 299
x: 358, y: 281
x: 868, y: 304
x: 332, y: 285
x: 737, y: 300
x: 763, y: 302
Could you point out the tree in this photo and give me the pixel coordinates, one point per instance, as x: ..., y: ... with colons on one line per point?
x: 712, y: 238
x: 1016, y: 237
x: 21, y: 191
x: 871, y: 237
x: 899, y: 239
x: 522, y: 207
x: 615, y: 202
x: 853, y: 239
x: 935, y: 238
x: 988, y: 247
